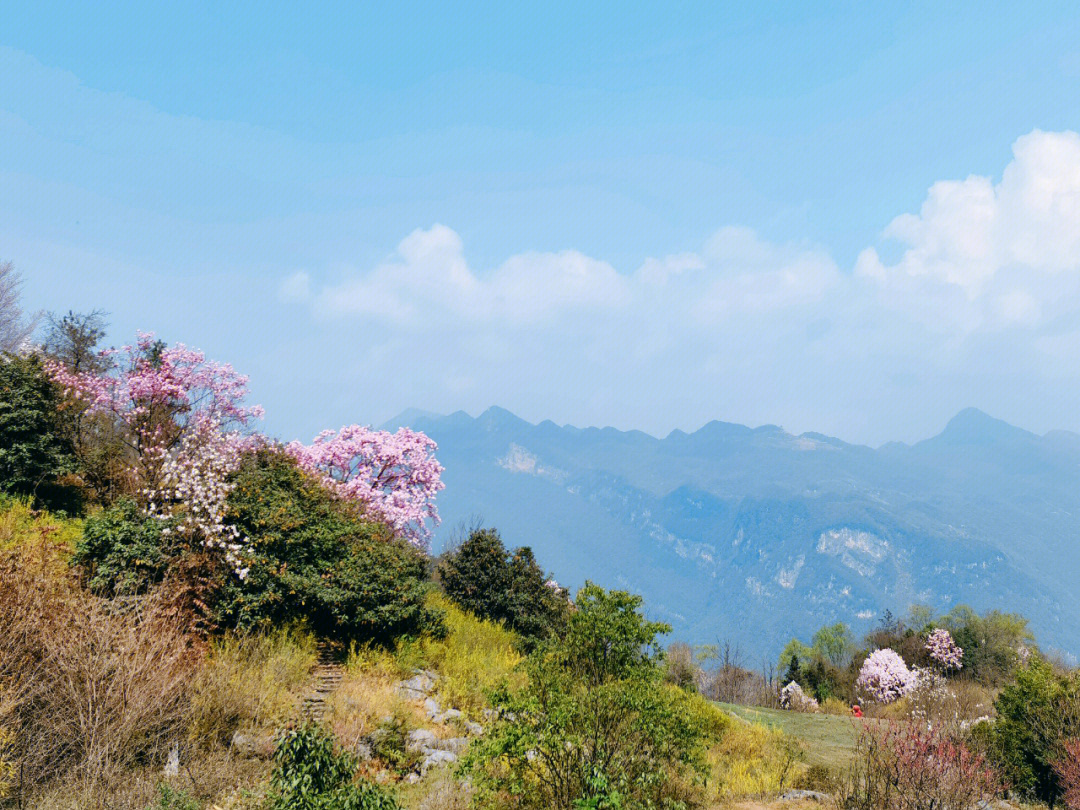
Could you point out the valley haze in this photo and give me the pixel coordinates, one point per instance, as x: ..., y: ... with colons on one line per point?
x: 751, y: 535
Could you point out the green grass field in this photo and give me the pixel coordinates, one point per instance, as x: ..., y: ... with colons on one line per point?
x: 828, y: 739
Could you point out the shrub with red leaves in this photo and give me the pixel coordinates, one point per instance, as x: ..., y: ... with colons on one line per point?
x: 1068, y: 772
x: 902, y: 766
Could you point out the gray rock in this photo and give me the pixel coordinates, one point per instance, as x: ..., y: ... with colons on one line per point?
x: 251, y: 745
x: 475, y: 729
x: 455, y: 745
x: 436, y: 759
x: 172, y: 764
x: 449, y: 715
x: 363, y: 751
x: 420, y: 739
x: 797, y: 795
x: 422, y: 683
x: 411, y: 694
x: 431, y: 708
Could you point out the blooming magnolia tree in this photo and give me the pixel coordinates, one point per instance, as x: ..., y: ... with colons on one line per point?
x: 945, y: 652
x: 183, y: 420
x: 164, y: 398
x: 793, y: 697
x: 884, y: 676
x: 395, y: 476
x: 185, y: 426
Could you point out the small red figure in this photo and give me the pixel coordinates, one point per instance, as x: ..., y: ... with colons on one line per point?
x: 856, y: 710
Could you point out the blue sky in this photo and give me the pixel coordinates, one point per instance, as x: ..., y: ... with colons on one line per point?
x: 852, y: 218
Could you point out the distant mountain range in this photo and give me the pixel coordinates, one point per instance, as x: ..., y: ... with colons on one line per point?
x: 753, y: 535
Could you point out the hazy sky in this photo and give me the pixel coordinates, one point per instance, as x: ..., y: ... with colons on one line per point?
x: 857, y: 219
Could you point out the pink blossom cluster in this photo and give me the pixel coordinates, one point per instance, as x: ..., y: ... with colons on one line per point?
x: 919, y: 766
x: 885, y: 676
x: 184, y: 421
x: 160, y: 395
x: 394, y: 475
x: 945, y: 652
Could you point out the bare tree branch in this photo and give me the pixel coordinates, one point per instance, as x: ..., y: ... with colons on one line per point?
x: 16, y: 326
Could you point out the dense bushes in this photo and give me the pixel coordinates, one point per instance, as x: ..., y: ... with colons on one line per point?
x: 596, y: 726
x: 1067, y: 768
x: 122, y: 550
x: 1036, y: 715
x: 314, y: 558
x: 88, y: 688
x: 484, y: 578
x: 312, y: 775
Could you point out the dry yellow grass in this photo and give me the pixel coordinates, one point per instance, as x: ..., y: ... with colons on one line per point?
x: 367, y: 698
x: 251, y: 681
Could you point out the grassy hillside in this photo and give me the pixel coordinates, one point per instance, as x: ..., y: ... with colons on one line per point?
x: 827, y: 739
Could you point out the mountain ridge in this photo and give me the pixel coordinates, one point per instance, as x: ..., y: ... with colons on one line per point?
x: 754, y: 534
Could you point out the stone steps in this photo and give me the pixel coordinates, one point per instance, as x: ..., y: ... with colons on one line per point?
x: 325, y: 679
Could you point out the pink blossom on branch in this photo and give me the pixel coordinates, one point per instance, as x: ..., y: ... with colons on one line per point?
x: 394, y: 475
x: 943, y: 650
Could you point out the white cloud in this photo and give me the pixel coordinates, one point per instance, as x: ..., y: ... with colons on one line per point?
x: 754, y: 276
x: 986, y: 288
x: 986, y: 255
x: 429, y: 280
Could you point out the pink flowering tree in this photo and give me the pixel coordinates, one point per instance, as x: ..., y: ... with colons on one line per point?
x: 394, y: 476
x: 943, y: 651
x: 162, y: 397
x: 183, y: 421
x: 884, y: 676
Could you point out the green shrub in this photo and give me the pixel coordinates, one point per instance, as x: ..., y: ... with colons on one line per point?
x: 596, y: 725
x: 511, y: 588
x: 32, y: 454
x: 122, y: 550
x: 172, y: 799
x: 1035, y: 716
x: 318, y: 562
x: 311, y: 775
x: 991, y: 642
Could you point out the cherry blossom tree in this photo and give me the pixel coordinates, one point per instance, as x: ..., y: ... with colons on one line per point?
x: 395, y: 476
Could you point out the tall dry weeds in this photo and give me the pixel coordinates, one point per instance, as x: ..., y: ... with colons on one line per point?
x: 88, y: 687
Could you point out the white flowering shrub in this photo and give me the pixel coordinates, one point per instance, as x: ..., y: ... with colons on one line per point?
x: 884, y: 676
x: 793, y: 698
